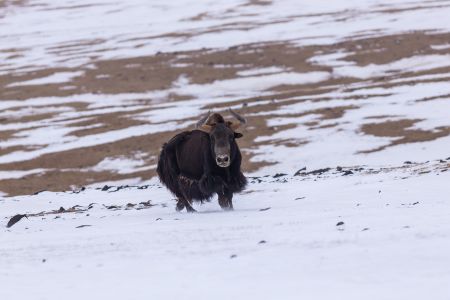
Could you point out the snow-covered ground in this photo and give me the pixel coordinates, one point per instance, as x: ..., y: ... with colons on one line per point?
x: 283, y: 241
x: 367, y: 219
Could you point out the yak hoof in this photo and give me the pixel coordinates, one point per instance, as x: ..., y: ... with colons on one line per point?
x: 180, y: 206
x: 190, y: 210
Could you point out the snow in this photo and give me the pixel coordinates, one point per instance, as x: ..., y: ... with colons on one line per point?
x: 122, y: 165
x: 282, y: 240
x: 394, y: 241
x: 64, y: 33
x: 411, y: 64
x: 19, y: 174
x: 59, y: 77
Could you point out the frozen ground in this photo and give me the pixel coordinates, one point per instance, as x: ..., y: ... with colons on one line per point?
x: 355, y: 91
x: 283, y: 241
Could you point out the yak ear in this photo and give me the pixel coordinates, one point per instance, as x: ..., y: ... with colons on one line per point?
x: 234, y: 126
x: 206, y: 128
x: 238, y: 135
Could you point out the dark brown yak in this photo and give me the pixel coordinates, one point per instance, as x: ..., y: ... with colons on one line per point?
x: 194, y: 165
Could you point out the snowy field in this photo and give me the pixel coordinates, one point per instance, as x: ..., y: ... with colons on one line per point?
x: 347, y: 148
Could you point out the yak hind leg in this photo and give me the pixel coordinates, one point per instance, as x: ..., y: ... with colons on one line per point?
x: 226, y: 200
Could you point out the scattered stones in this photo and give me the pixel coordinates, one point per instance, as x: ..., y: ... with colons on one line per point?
x: 348, y: 172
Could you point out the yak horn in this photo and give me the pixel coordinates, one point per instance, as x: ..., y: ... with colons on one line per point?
x: 241, y: 120
x: 203, y: 120
x: 202, y: 123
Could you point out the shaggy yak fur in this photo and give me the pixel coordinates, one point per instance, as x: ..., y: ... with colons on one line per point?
x: 195, y: 165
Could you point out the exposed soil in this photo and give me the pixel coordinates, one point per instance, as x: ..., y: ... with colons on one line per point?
x: 159, y: 72
x: 402, y: 131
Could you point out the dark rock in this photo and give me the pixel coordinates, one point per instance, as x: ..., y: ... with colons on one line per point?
x: 299, y: 172
x: 111, y: 206
x: 264, y: 209
x: 348, y: 172
x: 318, y: 171
x: 81, y: 226
x: 15, y: 219
x: 279, y: 175
x: 146, y: 203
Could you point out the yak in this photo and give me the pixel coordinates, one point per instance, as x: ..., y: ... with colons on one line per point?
x: 195, y: 165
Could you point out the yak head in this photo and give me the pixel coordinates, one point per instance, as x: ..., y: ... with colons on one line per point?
x: 222, y: 136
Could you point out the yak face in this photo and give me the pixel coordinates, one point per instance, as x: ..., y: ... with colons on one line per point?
x: 222, y: 136
x: 223, y: 145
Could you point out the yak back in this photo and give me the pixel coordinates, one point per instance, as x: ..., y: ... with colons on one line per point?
x: 193, y: 153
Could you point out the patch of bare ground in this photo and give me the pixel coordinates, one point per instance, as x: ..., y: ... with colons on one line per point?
x: 402, y: 131
x: 387, y: 49
x: 9, y: 3
x: 160, y: 71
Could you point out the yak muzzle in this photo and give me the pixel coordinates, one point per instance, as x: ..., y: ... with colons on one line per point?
x: 223, y: 161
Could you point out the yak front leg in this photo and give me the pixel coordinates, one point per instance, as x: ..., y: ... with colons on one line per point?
x: 226, y: 200
x: 180, y: 204
x: 189, y: 208
x: 183, y: 203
